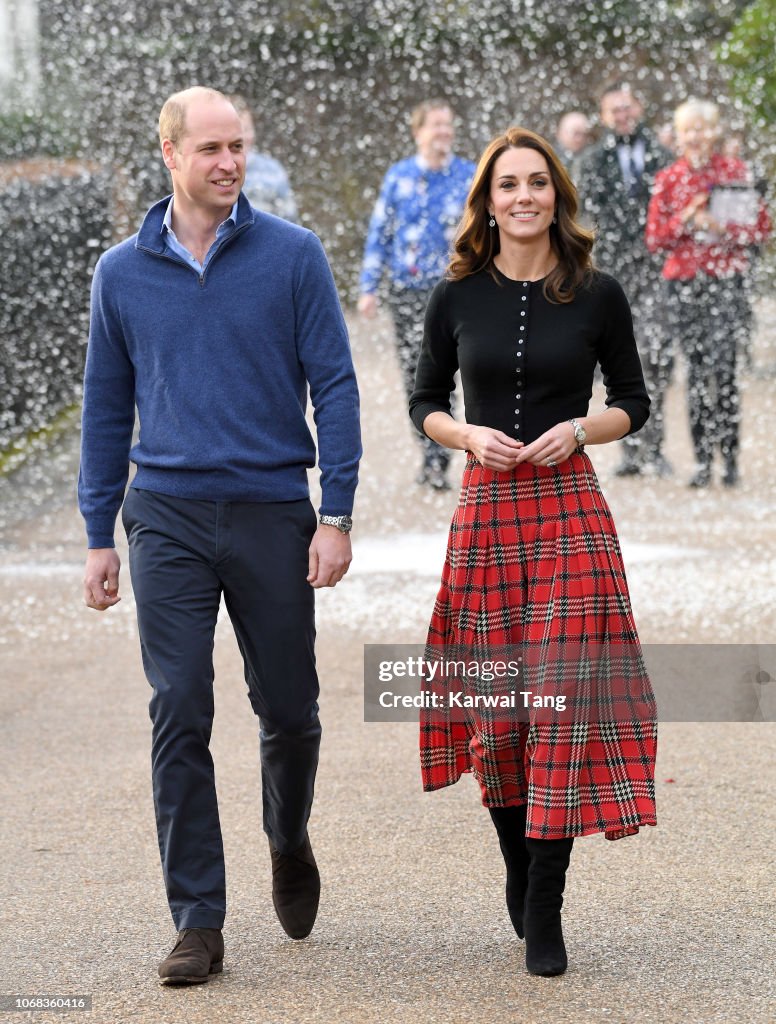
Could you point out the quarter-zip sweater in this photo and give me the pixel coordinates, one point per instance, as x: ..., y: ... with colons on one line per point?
x: 218, y: 366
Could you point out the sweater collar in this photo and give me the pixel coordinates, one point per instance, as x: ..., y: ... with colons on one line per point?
x: 150, y: 235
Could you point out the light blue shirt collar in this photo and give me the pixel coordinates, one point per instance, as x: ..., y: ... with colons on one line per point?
x: 177, y: 247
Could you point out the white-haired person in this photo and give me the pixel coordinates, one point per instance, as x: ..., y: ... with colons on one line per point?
x: 707, y: 259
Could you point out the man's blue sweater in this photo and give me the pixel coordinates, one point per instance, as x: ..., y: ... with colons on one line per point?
x: 218, y: 365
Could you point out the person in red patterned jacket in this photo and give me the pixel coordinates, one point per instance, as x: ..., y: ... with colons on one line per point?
x: 707, y: 258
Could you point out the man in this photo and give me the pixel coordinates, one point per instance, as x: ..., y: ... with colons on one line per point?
x: 615, y: 181
x: 213, y: 321
x: 414, y: 220
x: 571, y: 137
x: 266, y: 182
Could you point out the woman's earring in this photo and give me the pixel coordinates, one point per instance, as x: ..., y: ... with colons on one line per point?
x: 492, y: 222
x: 554, y: 220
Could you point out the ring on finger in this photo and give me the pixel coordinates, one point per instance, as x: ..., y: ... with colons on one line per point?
x: 551, y: 462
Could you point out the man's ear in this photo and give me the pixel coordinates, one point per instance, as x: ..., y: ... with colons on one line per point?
x: 168, y: 154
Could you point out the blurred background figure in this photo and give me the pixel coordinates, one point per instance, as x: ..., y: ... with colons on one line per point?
x: 733, y: 144
x: 572, y: 136
x: 410, y: 234
x: 266, y: 182
x: 706, y: 247
x: 666, y: 137
x: 615, y: 180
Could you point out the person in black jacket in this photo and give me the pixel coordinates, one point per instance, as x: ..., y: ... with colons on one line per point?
x: 615, y: 181
x: 533, y: 564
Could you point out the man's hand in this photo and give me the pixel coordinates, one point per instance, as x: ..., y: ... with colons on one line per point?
x: 101, y: 578
x: 330, y: 557
x: 367, y: 305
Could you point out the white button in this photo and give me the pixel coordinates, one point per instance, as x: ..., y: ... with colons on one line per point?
x: 520, y: 342
x: 519, y: 353
x: 517, y: 426
x: 525, y: 284
x: 517, y: 395
x: 522, y: 312
x: 517, y: 412
x: 524, y: 298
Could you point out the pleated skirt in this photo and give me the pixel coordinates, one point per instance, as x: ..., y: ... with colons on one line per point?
x: 533, y: 559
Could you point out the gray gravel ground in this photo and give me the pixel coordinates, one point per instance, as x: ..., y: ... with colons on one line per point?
x: 674, y: 925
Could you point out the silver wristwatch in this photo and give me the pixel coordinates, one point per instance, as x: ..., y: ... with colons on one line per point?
x: 580, y: 434
x: 343, y: 523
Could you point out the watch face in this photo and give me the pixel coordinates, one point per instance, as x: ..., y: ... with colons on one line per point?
x: 343, y: 523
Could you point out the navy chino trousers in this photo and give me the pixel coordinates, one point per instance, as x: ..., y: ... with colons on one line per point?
x: 183, y: 555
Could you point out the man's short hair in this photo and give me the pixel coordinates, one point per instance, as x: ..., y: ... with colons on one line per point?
x: 618, y: 85
x: 172, y: 119
x: 419, y: 113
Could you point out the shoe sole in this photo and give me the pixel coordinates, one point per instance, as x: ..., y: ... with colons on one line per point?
x: 193, y: 979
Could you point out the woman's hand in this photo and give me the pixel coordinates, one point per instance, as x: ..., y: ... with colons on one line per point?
x: 493, y: 449
x: 702, y: 220
x: 553, y: 446
x: 694, y: 206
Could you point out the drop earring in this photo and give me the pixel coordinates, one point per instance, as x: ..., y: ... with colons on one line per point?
x: 554, y: 220
x: 492, y: 222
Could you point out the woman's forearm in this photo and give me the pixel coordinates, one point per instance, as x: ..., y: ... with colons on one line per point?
x: 607, y: 426
x: 443, y: 429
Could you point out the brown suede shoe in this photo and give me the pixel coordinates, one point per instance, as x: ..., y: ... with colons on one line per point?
x: 296, y: 889
x: 198, y: 953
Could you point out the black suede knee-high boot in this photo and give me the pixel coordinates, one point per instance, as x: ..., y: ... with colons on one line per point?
x: 545, y: 951
x: 510, y: 825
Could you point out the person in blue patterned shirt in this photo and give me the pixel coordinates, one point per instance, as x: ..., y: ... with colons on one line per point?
x: 409, y: 239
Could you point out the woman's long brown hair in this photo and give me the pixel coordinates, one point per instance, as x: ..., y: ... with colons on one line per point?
x: 476, y: 243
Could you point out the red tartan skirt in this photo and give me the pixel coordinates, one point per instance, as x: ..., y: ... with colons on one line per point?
x: 533, y: 557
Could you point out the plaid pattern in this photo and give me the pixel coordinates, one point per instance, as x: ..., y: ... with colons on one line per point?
x: 533, y: 558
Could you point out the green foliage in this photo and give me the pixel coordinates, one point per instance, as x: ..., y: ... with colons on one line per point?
x: 26, y: 134
x: 750, y: 51
x: 19, y: 134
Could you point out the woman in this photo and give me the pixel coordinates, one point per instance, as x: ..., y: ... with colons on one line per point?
x: 533, y: 558
x: 707, y: 304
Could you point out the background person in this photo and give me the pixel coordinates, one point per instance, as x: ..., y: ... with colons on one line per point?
x: 409, y: 237
x: 572, y: 136
x: 213, y: 321
x: 615, y: 180
x: 266, y: 181
x: 733, y: 144
x: 533, y: 558
x: 666, y: 136
x: 707, y: 306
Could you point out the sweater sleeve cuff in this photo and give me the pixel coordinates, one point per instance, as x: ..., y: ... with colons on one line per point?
x: 419, y: 413
x: 637, y: 412
x: 99, y: 532
x: 100, y: 540
x: 337, y: 503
